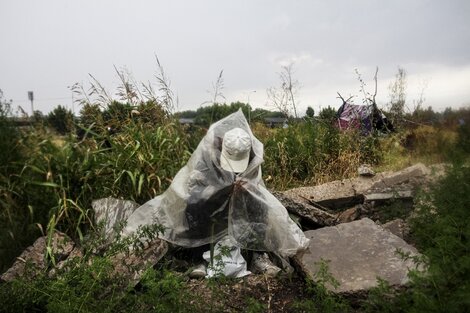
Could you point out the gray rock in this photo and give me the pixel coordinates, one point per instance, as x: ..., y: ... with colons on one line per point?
x: 32, y: 259
x: 110, y: 212
x: 335, y: 194
x: 398, y: 227
x: 357, y: 254
x: 133, y: 265
x: 304, y: 208
x: 365, y: 170
x: 349, y: 215
x: 415, y: 175
x: 384, y: 196
x: 346, y: 193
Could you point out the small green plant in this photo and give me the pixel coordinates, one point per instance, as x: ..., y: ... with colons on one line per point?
x: 254, y: 306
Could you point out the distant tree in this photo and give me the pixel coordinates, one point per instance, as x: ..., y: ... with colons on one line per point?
x: 61, y: 119
x: 397, y: 91
x: 186, y: 114
x: 328, y: 114
x: 424, y: 116
x: 310, y: 112
x: 9, y: 136
x: 283, y: 97
x: 38, y: 117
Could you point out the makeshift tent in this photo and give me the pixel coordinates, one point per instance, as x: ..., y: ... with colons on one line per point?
x: 206, y: 202
x: 363, y: 117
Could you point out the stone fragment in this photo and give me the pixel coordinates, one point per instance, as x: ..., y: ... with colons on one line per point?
x: 384, y: 196
x: 32, y: 259
x: 133, y: 265
x: 333, y: 195
x: 308, y: 213
x: 357, y: 253
x: 365, y: 170
x: 110, y: 212
x: 415, y: 175
x: 349, y: 215
x: 398, y: 227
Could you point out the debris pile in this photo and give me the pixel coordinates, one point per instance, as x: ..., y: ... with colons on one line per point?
x: 348, y: 222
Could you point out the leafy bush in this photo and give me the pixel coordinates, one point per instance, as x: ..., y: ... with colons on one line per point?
x: 53, y: 183
x: 90, y: 283
x: 312, y: 152
x: 61, y: 120
x: 441, y: 232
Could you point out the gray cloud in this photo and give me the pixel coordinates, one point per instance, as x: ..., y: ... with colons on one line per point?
x: 49, y: 45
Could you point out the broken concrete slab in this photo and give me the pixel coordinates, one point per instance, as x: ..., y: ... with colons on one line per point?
x: 333, y: 195
x: 398, y: 227
x: 111, y: 211
x: 33, y: 258
x: 385, y: 196
x: 349, y: 215
x: 309, y: 214
x: 357, y: 254
x: 415, y: 175
x: 132, y: 265
x: 345, y: 193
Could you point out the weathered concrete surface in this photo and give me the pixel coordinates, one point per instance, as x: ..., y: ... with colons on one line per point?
x: 358, y: 253
x: 110, y: 212
x: 308, y: 213
x: 415, y: 175
x: 365, y: 170
x: 398, y: 227
x: 335, y: 194
x: 32, y: 259
x: 340, y: 194
x: 133, y: 265
x: 384, y: 196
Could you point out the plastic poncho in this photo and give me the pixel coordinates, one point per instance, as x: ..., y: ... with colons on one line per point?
x: 205, y: 203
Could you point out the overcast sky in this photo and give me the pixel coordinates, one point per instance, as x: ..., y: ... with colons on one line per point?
x: 48, y: 45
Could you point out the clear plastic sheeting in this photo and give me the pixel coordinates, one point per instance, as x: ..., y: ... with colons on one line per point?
x: 206, y: 202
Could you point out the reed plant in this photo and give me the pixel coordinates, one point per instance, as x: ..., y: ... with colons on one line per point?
x: 53, y: 181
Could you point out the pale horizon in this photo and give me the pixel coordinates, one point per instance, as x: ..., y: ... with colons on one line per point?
x: 52, y: 44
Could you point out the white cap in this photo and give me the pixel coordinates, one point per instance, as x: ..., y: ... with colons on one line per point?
x: 236, y: 149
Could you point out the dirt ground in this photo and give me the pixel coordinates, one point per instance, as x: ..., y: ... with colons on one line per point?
x: 240, y: 295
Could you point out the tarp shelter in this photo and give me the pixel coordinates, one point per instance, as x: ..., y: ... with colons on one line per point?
x: 205, y: 202
x: 362, y: 117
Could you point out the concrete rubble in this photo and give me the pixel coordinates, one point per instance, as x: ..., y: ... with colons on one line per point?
x: 365, y: 170
x: 127, y: 264
x: 33, y: 259
x: 341, y: 200
x: 357, y: 253
x: 111, y: 211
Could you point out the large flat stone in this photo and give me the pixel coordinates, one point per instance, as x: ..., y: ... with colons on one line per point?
x: 340, y: 194
x: 33, y: 259
x: 357, y: 254
x: 335, y: 194
x: 111, y: 211
x: 309, y: 214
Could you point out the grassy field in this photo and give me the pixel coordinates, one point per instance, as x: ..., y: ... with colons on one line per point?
x: 47, y: 183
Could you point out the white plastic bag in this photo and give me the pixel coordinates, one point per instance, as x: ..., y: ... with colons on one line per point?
x: 227, y: 260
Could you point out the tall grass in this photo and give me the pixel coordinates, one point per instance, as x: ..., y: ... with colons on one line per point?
x: 314, y: 152
x: 51, y: 183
